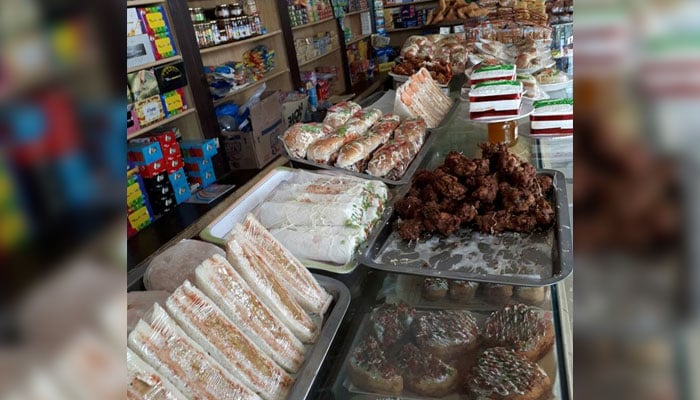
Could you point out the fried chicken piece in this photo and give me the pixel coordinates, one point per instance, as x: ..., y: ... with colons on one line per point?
x: 410, y: 229
x: 466, y: 213
x: 422, y: 178
x: 515, y: 200
x: 546, y: 184
x: 493, y: 153
x: 448, y: 186
x: 448, y: 205
x: 447, y: 223
x: 408, y: 207
x: 486, y: 189
x: 430, y: 216
x: 492, y: 222
x: 413, y: 192
x: 543, y: 212
x: 524, y: 175
x: 462, y: 167
x: 522, y: 223
x: 428, y: 194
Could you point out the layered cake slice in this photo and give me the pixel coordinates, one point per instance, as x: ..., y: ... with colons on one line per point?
x: 495, y: 99
x: 492, y: 73
x: 552, y: 117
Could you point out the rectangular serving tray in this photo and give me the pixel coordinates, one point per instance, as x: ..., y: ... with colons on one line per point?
x: 508, y: 258
x: 431, y: 135
x: 316, y: 353
x: 554, y: 363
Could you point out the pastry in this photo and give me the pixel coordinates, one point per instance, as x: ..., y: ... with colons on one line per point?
x: 370, y: 369
x: 424, y: 373
x: 392, y: 159
x: 434, y: 288
x: 325, y: 150
x: 522, y: 328
x: 499, y: 294
x: 391, y: 323
x: 355, y: 155
x: 552, y: 117
x: 502, y: 72
x: 501, y: 374
x: 495, y: 99
x: 446, y: 334
x: 340, y: 113
x: 299, y: 137
x: 462, y: 291
x: 531, y: 295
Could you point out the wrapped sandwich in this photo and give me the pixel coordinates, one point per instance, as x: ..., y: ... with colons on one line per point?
x: 325, y: 151
x: 421, y: 97
x: 355, y: 155
x: 299, y: 137
x: 340, y: 113
x: 392, y: 159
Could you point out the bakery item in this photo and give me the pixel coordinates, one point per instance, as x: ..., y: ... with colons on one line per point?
x: 496, y: 293
x: 522, y: 328
x: 204, y: 322
x: 306, y: 290
x: 501, y: 374
x: 334, y: 244
x: 144, y: 382
x: 501, y: 72
x: 299, y: 137
x: 175, y: 265
x: 340, y: 113
x: 163, y: 344
x: 139, y: 303
x: 446, y: 334
x: 420, y: 96
x: 325, y: 150
x: 230, y: 292
x: 370, y: 369
x: 392, y: 159
x: 552, y: 117
x: 248, y: 261
x: 530, y: 85
x: 462, y: 291
x: 495, y: 99
x: 424, y: 373
x: 550, y: 75
x: 391, y: 323
x: 354, y: 155
x: 434, y: 288
x: 531, y: 295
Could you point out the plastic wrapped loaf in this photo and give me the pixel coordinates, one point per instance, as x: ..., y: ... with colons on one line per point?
x: 277, y: 215
x: 203, y: 321
x: 139, y: 303
x: 221, y: 283
x: 165, y: 346
x: 325, y: 151
x: 357, y: 152
x: 340, y: 113
x: 306, y: 290
x: 255, y: 269
x: 144, y: 382
x: 392, y: 159
x: 336, y: 244
x: 299, y: 137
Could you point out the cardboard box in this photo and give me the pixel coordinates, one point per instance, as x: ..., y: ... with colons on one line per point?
x: 171, y: 77
x: 143, y: 153
x: 255, y: 149
x: 174, y: 102
x: 197, y: 165
x: 163, y: 46
x: 133, y: 22
x: 173, y: 164
x: 132, y: 122
x: 294, y: 111
x: 139, y: 51
x: 149, y: 111
x: 143, y: 84
x: 178, y: 178
x: 199, y: 149
x: 182, y: 192
x: 155, y: 21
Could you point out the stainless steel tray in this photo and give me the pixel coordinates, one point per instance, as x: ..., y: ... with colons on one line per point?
x: 316, y: 353
x: 554, y: 363
x: 431, y: 135
x: 540, y: 258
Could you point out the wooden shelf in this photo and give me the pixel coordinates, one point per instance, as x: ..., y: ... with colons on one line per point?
x: 319, y: 57
x: 160, y: 123
x: 409, y: 3
x: 412, y: 28
x: 312, y: 23
x: 266, y: 77
x: 143, y: 2
x: 357, y: 39
x: 430, y: 26
x: 238, y: 43
x: 154, y: 64
x: 356, y: 12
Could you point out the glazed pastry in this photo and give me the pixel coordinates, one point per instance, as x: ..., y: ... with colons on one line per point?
x: 424, y: 373
x: 521, y: 328
x: 501, y: 374
x: 446, y: 334
x: 370, y: 370
x: 434, y: 288
x: 531, y: 295
x: 462, y: 291
x: 391, y: 323
x: 499, y: 294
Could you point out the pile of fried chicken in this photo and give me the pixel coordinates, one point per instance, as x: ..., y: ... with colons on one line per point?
x: 495, y: 193
x: 440, y: 70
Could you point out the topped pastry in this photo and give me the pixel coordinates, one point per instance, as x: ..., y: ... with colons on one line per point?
x: 391, y: 322
x: 447, y: 333
x: 501, y: 374
x: 522, y: 328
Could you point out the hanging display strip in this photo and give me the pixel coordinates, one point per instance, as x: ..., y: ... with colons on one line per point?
x: 533, y: 259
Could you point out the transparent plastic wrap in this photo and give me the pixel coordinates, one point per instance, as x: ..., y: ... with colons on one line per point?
x: 336, y: 244
x: 162, y: 343
x: 220, y: 281
x: 144, y: 382
x: 421, y: 96
x: 175, y: 265
x: 139, y: 303
x: 325, y: 151
x: 300, y: 136
x: 354, y: 155
x: 312, y: 182
x: 392, y: 159
x: 226, y: 343
x: 255, y: 269
x: 294, y: 213
x: 310, y: 295
x: 340, y: 113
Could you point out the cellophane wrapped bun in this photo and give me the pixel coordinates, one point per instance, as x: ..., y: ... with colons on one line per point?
x: 300, y: 136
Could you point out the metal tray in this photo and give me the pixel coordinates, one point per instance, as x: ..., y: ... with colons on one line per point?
x: 554, y: 363
x: 317, y: 352
x: 431, y: 135
x: 544, y: 258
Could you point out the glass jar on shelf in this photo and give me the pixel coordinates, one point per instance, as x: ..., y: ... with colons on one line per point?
x: 198, y: 15
x: 222, y: 11
x: 503, y: 132
x: 236, y: 9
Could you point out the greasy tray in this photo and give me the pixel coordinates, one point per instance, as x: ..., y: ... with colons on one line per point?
x: 218, y: 230
x: 430, y: 136
x: 539, y: 258
x: 552, y: 363
x: 315, y: 353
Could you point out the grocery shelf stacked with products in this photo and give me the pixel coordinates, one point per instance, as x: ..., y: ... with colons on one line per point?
x: 416, y: 243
